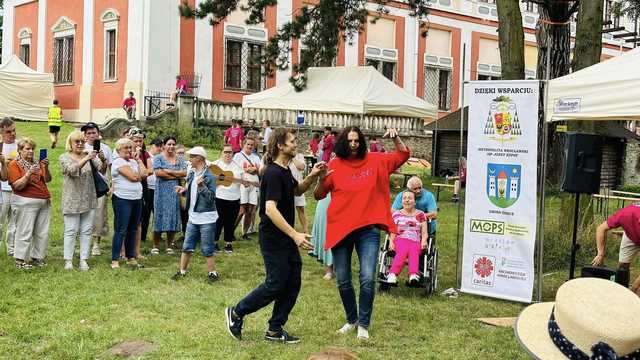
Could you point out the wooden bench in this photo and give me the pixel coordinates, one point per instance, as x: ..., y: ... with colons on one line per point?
x: 439, y: 186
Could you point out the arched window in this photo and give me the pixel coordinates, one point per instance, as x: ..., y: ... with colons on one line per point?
x: 110, y: 21
x: 24, y: 35
x: 64, y: 32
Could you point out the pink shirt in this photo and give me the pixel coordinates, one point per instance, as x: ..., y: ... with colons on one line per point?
x: 629, y: 219
x: 234, y: 136
x: 409, y: 227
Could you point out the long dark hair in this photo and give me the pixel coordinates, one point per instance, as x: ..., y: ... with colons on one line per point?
x: 278, y: 137
x: 342, y: 144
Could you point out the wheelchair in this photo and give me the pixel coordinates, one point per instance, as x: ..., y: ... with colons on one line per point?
x: 427, y: 268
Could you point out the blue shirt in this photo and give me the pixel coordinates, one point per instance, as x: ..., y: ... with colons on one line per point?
x: 426, y: 202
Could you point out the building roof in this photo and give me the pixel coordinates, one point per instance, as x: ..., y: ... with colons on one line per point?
x: 450, y: 122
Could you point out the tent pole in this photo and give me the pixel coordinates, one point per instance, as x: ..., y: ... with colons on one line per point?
x: 542, y: 181
x: 462, y: 81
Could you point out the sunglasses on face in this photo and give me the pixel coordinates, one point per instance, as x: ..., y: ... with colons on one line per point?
x: 227, y: 152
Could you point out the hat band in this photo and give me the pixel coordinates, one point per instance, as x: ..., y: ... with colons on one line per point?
x: 600, y: 351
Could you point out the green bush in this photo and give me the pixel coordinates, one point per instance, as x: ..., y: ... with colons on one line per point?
x: 208, y: 137
x: 630, y: 188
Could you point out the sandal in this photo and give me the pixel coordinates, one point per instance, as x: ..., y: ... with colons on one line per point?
x: 134, y: 264
x: 21, y: 265
x: 155, y: 251
x: 115, y: 265
x: 170, y: 251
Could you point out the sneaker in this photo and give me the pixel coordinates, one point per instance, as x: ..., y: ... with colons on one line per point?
x: 178, y: 275
x: 234, y: 323
x: 346, y: 328
x: 155, y: 251
x: 281, y: 336
x: 38, y: 262
x: 245, y: 237
x: 95, y: 251
x: 414, y: 279
x: 391, y: 278
x: 68, y: 265
x: 83, y: 266
x: 10, y: 253
x: 21, y: 265
x: 212, y: 277
x: 228, y: 248
x: 363, y: 333
x: 169, y: 251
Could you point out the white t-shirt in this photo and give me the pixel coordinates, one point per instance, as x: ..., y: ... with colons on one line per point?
x: 122, y: 187
x: 10, y: 152
x: 245, y: 161
x: 297, y: 174
x: 199, y: 218
x: 151, y: 179
x: 231, y: 192
x: 266, y: 135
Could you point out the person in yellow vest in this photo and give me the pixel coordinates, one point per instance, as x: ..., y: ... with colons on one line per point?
x: 55, y: 123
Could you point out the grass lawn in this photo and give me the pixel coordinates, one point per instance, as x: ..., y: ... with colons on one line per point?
x: 55, y: 314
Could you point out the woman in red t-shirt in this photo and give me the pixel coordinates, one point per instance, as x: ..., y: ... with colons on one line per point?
x: 360, y: 206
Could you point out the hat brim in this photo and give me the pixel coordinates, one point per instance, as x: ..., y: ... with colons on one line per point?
x: 533, y: 333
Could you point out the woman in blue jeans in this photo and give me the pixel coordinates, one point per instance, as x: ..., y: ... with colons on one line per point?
x: 201, y: 208
x: 127, y: 173
x: 359, y: 184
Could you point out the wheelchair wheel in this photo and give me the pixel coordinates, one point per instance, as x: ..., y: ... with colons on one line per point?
x: 383, y: 287
x: 431, y: 284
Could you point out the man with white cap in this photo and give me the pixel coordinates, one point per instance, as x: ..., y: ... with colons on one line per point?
x: 200, y: 192
x: 591, y: 319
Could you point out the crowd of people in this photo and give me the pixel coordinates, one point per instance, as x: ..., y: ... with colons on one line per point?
x: 259, y: 173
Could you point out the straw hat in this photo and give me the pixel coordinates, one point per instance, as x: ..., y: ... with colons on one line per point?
x: 587, y: 311
x: 198, y: 150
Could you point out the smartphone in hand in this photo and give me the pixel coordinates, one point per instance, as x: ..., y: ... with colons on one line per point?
x: 96, y: 145
x: 43, y: 154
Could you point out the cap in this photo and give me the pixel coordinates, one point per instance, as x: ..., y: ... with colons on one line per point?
x: 89, y: 125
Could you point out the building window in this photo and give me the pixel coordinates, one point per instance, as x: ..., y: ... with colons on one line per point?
x: 64, y: 31
x: 488, y: 77
x: 243, y: 70
x: 110, y: 55
x: 63, y: 60
x: 110, y: 19
x: 531, y: 7
x: 25, y: 51
x: 438, y: 87
x: 385, y: 60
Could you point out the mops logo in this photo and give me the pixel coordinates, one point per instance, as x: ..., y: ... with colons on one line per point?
x: 487, y: 226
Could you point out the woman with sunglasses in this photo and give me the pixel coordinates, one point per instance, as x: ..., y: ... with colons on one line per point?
x: 79, y: 200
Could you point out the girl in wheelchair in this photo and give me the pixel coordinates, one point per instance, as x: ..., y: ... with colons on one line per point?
x: 411, y: 239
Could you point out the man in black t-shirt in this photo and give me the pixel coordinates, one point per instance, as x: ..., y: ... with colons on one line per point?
x: 279, y: 241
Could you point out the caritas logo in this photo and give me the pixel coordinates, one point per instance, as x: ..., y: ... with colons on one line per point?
x: 483, y: 267
x: 483, y: 270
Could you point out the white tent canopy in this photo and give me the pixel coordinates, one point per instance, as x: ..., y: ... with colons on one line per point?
x: 24, y: 93
x: 609, y: 90
x: 349, y: 90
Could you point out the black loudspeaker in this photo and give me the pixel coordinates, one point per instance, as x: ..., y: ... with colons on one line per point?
x: 621, y: 276
x: 583, y: 154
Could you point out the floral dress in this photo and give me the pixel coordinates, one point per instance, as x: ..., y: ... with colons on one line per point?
x: 166, y: 203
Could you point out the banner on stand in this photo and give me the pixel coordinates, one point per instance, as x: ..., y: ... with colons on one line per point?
x: 501, y: 189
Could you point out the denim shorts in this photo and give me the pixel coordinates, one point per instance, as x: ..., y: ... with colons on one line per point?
x: 205, y: 233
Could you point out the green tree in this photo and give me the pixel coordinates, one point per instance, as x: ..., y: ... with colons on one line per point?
x: 318, y: 27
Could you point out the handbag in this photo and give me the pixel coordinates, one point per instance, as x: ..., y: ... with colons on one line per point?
x: 102, y: 188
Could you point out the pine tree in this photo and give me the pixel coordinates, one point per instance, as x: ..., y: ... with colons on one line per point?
x: 319, y: 28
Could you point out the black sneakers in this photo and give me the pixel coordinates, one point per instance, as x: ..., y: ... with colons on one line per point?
x: 212, y: 277
x: 282, y: 336
x: 178, y: 275
x: 234, y: 323
x: 228, y: 248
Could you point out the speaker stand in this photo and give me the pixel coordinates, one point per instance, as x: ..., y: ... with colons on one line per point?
x: 574, y: 239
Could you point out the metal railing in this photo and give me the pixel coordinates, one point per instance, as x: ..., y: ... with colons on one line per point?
x: 208, y: 112
x: 155, y: 102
